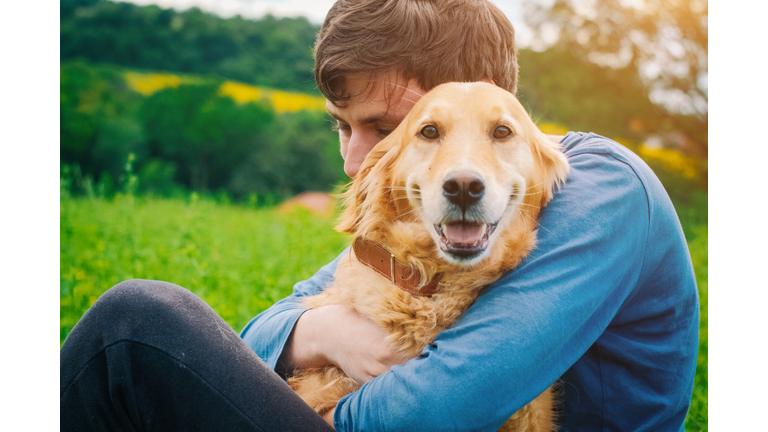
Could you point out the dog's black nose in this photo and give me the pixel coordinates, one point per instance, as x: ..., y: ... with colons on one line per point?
x: 463, y: 189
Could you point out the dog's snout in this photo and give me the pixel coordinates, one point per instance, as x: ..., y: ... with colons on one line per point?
x: 463, y: 189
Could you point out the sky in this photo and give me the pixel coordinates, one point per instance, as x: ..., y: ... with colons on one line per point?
x: 314, y: 10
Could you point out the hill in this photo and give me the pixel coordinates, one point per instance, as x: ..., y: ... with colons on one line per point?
x: 270, y: 52
x: 192, y: 132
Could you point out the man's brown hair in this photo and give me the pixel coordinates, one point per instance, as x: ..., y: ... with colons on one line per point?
x: 431, y: 41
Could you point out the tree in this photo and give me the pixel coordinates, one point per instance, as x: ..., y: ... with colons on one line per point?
x: 303, y: 154
x: 98, y: 125
x: 663, y: 43
x: 557, y: 87
x: 204, y: 133
x: 271, y: 52
x: 67, y: 7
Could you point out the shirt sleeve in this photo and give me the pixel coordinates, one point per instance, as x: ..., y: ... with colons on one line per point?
x: 268, y: 332
x: 531, y: 325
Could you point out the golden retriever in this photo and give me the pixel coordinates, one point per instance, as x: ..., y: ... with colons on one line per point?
x: 451, y: 197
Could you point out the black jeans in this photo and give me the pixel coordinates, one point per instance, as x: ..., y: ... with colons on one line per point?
x: 151, y: 355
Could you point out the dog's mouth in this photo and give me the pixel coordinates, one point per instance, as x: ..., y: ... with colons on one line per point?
x: 464, y: 239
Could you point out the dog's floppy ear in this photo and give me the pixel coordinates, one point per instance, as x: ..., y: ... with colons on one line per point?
x: 368, y: 193
x: 553, y: 165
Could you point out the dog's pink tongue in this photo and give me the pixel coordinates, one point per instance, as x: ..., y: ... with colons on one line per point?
x: 463, y: 233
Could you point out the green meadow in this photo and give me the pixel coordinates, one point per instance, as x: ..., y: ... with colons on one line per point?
x: 239, y: 259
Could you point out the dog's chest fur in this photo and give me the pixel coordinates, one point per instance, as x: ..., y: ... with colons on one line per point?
x: 412, y: 322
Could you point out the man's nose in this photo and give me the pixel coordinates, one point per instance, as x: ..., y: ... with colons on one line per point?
x: 357, y: 149
x: 463, y: 188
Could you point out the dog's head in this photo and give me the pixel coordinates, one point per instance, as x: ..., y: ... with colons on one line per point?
x: 467, y: 162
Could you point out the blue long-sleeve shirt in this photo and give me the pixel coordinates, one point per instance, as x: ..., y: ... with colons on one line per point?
x: 607, y: 302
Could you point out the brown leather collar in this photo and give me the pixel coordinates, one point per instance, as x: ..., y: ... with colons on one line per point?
x: 380, y: 259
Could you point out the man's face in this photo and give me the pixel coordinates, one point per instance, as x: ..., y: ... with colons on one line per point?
x: 366, y: 118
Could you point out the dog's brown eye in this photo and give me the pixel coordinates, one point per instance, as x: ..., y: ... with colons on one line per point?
x: 429, y: 132
x: 502, y: 132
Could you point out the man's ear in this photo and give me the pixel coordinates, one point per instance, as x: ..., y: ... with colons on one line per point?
x: 367, y: 193
x: 489, y: 81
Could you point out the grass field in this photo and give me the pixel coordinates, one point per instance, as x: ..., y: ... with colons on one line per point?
x: 239, y: 260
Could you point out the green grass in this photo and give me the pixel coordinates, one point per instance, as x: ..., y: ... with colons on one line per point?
x: 696, y: 420
x: 239, y: 260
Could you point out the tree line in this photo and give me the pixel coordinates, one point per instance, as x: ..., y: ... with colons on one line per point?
x: 190, y: 137
x: 268, y: 52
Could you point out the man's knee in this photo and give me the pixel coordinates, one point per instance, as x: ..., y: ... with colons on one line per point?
x: 139, y: 304
x: 141, y: 294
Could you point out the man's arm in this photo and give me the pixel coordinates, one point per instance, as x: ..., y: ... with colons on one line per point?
x: 529, y: 327
x: 340, y: 336
x: 267, y: 334
x: 525, y: 330
x: 288, y: 336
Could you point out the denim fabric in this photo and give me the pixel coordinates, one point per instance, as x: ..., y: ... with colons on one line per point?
x: 151, y: 355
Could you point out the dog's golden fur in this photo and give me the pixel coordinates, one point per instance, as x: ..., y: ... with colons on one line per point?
x: 390, y: 201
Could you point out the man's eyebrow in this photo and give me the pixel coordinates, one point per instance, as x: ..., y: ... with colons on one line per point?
x: 376, y: 118
x: 332, y: 114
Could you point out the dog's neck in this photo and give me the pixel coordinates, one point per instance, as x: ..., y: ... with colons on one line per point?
x: 416, y: 258
x: 379, y: 258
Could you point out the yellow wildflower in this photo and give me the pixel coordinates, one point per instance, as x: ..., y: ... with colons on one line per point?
x: 241, y: 93
x: 673, y: 160
x: 552, y: 128
x: 147, y: 84
x: 281, y: 101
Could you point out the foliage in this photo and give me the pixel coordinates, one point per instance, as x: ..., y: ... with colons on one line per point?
x: 195, y: 132
x: 203, y: 133
x: 556, y: 87
x: 303, y: 155
x: 666, y: 41
x: 659, y: 45
x: 673, y: 161
x: 269, y: 52
x: 698, y: 413
x: 99, y: 125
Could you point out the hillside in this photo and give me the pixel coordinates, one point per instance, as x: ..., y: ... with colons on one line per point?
x: 270, y: 52
x: 192, y: 132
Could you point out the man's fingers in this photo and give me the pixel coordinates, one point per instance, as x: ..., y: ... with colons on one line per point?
x: 352, y: 342
x: 328, y: 417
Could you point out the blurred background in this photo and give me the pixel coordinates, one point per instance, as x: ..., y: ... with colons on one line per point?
x: 228, y: 105
x: 187, y: 125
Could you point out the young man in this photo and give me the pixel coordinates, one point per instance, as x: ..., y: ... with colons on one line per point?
x: 607, y: 302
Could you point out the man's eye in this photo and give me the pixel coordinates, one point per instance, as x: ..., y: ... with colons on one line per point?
x: 341, y: 127
x: 384, y: 132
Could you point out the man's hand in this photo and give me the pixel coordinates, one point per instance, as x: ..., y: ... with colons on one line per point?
x: 329, y: 417
x: 340, y: 336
